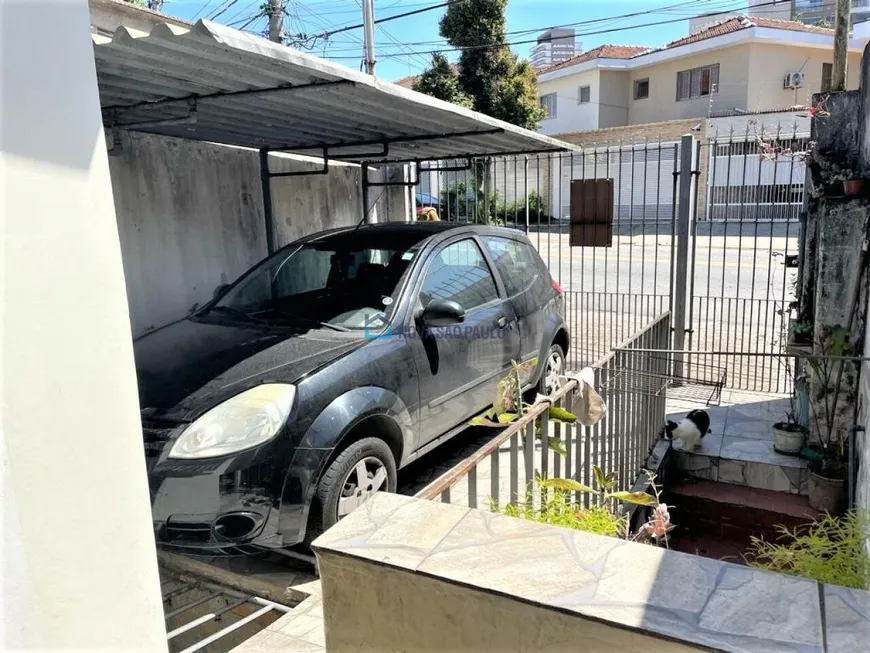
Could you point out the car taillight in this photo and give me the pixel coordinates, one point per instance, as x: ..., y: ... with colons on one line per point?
x: 557, y: 288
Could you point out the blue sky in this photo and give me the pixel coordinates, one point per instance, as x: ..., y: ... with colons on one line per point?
x: 394, y: 40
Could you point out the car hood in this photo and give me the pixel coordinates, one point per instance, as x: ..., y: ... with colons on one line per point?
x: 187, y: 367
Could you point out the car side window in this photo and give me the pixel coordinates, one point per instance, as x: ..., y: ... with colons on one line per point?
x: 514, y: 262
x: 459, y: 273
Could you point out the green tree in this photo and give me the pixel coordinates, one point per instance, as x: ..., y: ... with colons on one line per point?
x: 440, y: 81
x: 499, y: 84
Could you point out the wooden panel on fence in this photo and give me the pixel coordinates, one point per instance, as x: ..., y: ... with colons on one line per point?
x: 591, y: 213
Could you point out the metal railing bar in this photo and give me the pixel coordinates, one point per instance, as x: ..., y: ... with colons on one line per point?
x: 193, y: 604
x: 435, y: 488
x: 226, y: 631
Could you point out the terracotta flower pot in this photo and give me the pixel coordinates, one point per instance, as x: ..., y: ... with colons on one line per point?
x: 853, y: 186
x: 826, y: 494
x: 789, y: 438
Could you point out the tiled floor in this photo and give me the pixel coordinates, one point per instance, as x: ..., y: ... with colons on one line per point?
x: 739, y: 449
x: 299, y: 631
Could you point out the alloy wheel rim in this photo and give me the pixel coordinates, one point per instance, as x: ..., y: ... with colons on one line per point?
x: 553, y: 370
x: 367, y: 477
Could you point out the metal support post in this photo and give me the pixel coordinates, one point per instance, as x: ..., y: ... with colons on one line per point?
x: 266, y: 184
x: 681, y: 264
x: 369, y: 35
x: 364, y: 191
x: 526, y: 191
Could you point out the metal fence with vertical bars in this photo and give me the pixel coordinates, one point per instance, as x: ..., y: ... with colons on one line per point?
x: 611, y: 226
x: 633, y: 380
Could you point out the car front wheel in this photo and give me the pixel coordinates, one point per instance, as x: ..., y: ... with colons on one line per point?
x: 365, y: 467
x: 554, y: 367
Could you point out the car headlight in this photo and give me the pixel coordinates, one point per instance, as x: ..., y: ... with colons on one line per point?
x: 244, y: 421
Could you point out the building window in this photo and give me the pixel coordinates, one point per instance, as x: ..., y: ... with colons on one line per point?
x: 584, y: 94
x: 697, y: 82
x: 548, y: 102
x: 641, y: 89
x: 827, y: 75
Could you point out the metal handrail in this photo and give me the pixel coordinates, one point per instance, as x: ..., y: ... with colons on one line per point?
x: 636, y: 414
x: 449, y: 478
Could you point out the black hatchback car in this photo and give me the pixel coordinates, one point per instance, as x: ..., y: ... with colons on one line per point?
x: 302, y: 387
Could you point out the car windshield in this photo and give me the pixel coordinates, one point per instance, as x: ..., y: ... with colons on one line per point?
x: 332, y: 284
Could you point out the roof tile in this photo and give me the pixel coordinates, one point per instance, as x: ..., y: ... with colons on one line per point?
x: 601, y: 52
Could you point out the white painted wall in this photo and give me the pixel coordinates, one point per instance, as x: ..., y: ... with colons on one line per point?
x: 572, y: 116
x: 79, y: 570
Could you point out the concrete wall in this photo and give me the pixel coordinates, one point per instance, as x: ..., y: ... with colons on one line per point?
x: 190, y: 216
x: 108, y: 15
x: 613, y: 98
x: 769, y: 65
x: 571, y: 115
x: 79, y: 568
x: 662, y: 103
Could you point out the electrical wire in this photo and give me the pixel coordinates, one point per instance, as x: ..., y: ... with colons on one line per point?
x: 720, y: 8
x: 204, y: 7
x: 450, y: 2
x: 220, y: 12
x: 504, y: 44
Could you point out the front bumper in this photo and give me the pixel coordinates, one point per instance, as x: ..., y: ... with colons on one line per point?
x: 218, y: 504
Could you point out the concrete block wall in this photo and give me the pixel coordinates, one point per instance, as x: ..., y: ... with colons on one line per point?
x: 190, y: 216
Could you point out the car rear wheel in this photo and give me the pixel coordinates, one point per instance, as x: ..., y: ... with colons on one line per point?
x: 554, y: 367
x: 365, y: 467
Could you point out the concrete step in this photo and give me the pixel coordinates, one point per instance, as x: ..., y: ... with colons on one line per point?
x: 734, y: 514
x: 739, y: 451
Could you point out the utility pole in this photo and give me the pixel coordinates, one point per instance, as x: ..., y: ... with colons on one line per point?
x: 841, y: 44
x: 276, y: 21
x: 369, y: 33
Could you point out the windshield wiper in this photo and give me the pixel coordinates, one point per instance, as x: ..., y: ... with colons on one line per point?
x: 235, y: 312
x: 311, y: 320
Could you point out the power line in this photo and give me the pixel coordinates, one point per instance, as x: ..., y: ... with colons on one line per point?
x: 504, y: 44
x: 450, y: 2
x: 220, y: 11
x: 203, y: 8
x: 326, y: 35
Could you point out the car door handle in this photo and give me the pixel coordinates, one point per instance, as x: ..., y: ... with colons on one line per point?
x: 503, y: 322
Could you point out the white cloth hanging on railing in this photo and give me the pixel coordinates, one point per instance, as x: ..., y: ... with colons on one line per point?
x: 588, y: 406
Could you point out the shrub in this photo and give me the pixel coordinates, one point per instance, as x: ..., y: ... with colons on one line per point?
x: 830, y: 550
x: 558, y: 510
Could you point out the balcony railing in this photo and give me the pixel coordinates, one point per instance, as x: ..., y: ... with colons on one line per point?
x: 632, y: 383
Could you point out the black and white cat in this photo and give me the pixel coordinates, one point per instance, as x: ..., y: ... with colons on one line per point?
x: 691, y: 429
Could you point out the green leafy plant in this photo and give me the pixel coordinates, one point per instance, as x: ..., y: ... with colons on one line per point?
x: 558, y: 509
x: 830, y: 550
x: 802, y: 331
x: 828, y: 368
x: 509, y: 404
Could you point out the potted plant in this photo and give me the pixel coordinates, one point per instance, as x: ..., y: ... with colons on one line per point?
x: 802, y: 333
x: 852, y: 187
x: 789, y: 437
x: 828, y: 470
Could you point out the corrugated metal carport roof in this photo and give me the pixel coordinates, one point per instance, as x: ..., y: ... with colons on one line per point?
x: 218, y: 84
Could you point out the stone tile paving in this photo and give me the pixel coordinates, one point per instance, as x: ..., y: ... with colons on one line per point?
x: 631, y: 586
x: 740, y: 448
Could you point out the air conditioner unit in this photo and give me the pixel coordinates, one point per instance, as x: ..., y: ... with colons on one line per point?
x: 793, y: 80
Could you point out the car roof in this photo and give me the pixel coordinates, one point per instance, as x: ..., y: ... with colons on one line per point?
x: 400, y: 235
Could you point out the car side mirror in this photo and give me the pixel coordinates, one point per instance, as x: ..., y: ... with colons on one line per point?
x: 443, y: 312
x: 220, y: 290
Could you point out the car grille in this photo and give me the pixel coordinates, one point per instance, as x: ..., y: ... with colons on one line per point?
x: 156, y: 433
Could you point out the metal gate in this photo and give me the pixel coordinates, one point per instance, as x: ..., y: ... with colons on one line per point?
x: 703, y: 227
x: 743, y: 259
